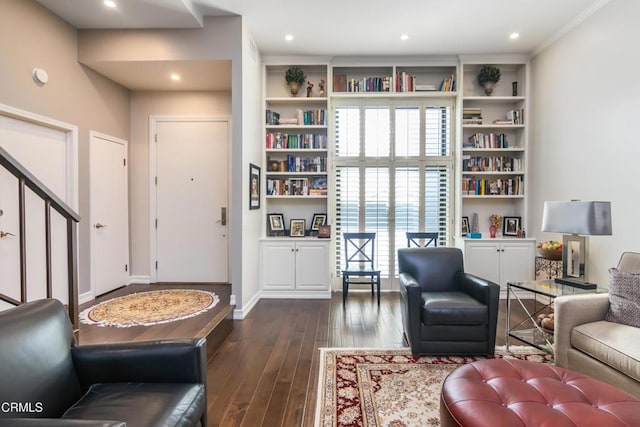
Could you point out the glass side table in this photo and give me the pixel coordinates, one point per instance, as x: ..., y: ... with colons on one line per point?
x: 528, y: 331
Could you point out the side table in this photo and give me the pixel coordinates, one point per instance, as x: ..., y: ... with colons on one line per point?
x: 548, y: 268
x: 528, y: 331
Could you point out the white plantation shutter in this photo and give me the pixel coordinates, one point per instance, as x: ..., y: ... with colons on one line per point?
x: 393, y: 172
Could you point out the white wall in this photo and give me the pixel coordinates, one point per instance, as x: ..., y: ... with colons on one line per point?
x: 252, y: 220
x: 584, y: 142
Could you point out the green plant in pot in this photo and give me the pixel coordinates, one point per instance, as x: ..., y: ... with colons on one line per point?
x: 488, y: 77
x: 294, y: 77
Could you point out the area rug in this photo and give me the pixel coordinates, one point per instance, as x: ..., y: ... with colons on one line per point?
x: 150, y: 308
x: 390, y: 388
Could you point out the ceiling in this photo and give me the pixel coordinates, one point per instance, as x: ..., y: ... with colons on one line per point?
x: 345, y: 27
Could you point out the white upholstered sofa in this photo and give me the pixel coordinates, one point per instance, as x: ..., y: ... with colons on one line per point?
x: 586, y: 342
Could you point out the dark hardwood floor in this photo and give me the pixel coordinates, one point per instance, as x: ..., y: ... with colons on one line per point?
x: 265, y: 372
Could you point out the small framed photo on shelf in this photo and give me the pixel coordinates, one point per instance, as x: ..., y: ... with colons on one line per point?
x: 318, y: 220
x: 465, y: 225
x: 324, y: 232
x: 297, y: 228
x: 254, y: 186
x: 510, y: 226
x: 276, y: 224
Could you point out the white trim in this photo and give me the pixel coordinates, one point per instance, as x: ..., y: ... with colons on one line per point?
x: 71, y: 131
x: 153, y: 123
x: 86, y: 297
x: 94, y: 134
x: 296, y: 294
x: 144, y: 280
x: 241, y: 313
x: 593, y: 8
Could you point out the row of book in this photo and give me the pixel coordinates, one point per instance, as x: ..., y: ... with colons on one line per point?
x: 514, y: 117
x: 369, y: 84
x: 299, y: 164
x: 493, y: 187
x: 471, y: 116
x: 296, y: 141
x: 316, y: 186
x: 486, y: 140
x: 303, y: 117
x: 492, y: 164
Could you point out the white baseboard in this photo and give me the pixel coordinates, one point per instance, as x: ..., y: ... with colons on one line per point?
x: 85, y: 297
x: 144, y: 280
x: 295, y: 294
x: 241, y: 313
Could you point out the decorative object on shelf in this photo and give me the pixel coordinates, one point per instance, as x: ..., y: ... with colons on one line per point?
x: 294, y: 77
x: 475, y: 224
x: 296, y: 228
x: 510, y: 226
x: 488, y: 77
x: 276, y: 224
x: 579, y: 219
x: 495, y: 221
x: 324, y: 231
x: 254, y: 186
x: 275, y: 166
x: 492, y: 231
x: 514, y: 88
x: 318, y: 220
x: 309, y: 89
x: 550, y: 250
x: 321, y: 91
x: 465, y: 225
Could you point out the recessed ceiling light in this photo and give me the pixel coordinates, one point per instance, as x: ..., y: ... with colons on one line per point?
x: 175, y: 76
x: 109, y: 3
x: 288, y: 37
x: 404, y: 37
x: 514, y: 36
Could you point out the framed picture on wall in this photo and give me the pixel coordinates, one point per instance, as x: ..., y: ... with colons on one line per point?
x: 254, y: 186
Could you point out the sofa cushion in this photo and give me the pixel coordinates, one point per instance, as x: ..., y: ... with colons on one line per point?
x: 452, y: 308
x: 142, y: 404
x: 624, y: 297
x: 613, y: 344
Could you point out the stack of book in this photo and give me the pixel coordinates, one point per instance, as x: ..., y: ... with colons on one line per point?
x: 471, y: 116
x: 272, y: 118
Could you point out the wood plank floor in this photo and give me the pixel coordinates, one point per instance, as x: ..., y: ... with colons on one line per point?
x: 265, y: 372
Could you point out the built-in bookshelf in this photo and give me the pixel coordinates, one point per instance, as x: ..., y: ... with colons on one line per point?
x: 494, y: 133
x: 398, y: 79
x: 295, y: 147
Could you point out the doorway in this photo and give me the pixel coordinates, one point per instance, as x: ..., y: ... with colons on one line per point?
x: 189, y: 198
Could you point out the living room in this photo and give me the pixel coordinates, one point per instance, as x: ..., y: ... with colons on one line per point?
x: 569, y: 120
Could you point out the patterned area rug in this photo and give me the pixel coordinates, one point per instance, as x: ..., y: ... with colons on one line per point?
x: 390, y: 388
x: 150, y: 308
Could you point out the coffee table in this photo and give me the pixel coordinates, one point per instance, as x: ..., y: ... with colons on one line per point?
x: 528, y: 330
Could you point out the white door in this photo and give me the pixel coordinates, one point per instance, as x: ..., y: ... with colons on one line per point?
x: 278, y: 266
x: 483, y: 260
x: 311, y: 266
x: 191, y: 200
x: 109, y: 213
x: 517, y: 262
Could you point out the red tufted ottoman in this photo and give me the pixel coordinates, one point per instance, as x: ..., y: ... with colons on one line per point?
x: 517, y: 393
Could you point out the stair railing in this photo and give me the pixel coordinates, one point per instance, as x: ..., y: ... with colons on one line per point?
x: 51, y: 201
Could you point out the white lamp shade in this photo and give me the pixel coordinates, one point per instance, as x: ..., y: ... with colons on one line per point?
x: 577, y: 217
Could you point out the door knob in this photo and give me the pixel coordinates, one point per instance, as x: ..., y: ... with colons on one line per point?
x: 98, y: 225
x: 5, y: 234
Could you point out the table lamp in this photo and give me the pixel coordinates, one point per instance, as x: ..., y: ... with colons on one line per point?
x: 576, y: 219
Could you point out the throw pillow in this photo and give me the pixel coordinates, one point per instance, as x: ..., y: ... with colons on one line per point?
x: 624, y: 298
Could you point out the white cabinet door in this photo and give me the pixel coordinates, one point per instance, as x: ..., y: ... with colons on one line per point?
x: 311, y: 266
x: 278, y: 265
x: 516, y: 262
x: 482, y: 259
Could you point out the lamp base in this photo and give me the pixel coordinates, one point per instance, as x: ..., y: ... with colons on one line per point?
x: 575, y: 283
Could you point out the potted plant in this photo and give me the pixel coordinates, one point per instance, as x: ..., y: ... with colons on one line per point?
x: 294, y: 77
x: 488, y: 77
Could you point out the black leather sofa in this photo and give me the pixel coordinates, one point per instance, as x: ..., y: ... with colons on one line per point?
x: 48, y: 380
x: 445, y: 311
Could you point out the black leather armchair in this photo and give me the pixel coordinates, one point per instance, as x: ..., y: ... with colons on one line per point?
x: 445, y: 311
x: 47, y: 380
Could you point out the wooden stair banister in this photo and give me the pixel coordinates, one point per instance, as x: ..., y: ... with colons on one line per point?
x: 51, y: 201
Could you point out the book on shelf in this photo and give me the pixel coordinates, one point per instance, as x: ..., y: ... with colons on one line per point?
x: 297, y: 186
x: 288, y: 121
x: 503, y: 122
x: 493, y: 187
x: 369, y: 84
x: 272, y: 118
x: 472, y: 121
x: 339, y: 82
x: 405, y: 82
x: 280, y: 140
x: 448, y: 84
x: 490, y: 140
x: 491, y: 164
x: 425, y: 88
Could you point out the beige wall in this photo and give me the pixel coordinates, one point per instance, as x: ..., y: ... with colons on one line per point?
x: 584, y: 145
x: 143, y: 105
x: 31, y: 36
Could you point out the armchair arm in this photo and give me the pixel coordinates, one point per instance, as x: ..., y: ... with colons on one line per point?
x: 488, y: 293
x: 178, y: 361
x: 571, y: 311
x: 411, y: 300
x: 59, y: 422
